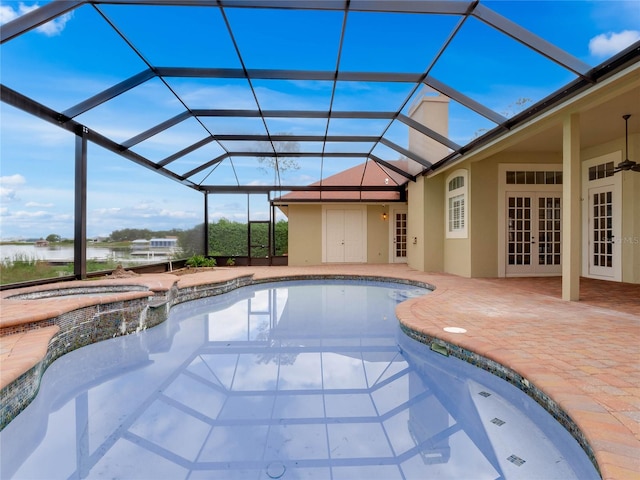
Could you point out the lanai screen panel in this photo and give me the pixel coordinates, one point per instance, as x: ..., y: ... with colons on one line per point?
x: 226, y: 93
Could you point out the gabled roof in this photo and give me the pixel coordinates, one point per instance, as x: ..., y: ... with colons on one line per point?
x: 368, y: 174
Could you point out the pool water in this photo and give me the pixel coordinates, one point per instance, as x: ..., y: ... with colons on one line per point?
x: 290, y: 380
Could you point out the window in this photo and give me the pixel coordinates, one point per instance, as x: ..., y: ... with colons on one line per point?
x: 602, y: 170
x: 456, y: 201
x: 534, y: 177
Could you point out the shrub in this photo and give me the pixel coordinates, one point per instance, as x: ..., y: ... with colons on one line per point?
x: 201, y: 261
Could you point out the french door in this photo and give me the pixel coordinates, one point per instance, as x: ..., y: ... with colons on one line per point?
x: 533, y: 243
x: 604, y: 252
x: 399, y: 236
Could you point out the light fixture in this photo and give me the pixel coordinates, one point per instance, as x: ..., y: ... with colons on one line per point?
x: 627, y: 164
x: 384, y: 215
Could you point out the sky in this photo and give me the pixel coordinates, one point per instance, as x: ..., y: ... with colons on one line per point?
x: 79, y: 55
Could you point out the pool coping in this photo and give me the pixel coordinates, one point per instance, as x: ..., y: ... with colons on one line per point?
x: 169, y: 290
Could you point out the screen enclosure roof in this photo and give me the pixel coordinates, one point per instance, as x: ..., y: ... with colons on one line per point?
x: 279, y: 95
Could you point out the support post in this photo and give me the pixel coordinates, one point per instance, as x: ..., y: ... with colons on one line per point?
x: 272, y: 230
x: 571, y: 209
x: 206, y: 224
x: 80, y: 208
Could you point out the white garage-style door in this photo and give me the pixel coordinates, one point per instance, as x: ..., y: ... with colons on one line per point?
x: 345, y: 238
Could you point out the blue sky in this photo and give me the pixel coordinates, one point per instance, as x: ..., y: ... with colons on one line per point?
x: 79, y: 55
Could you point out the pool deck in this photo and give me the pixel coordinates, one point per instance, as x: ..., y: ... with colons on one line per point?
x: 584, y: 355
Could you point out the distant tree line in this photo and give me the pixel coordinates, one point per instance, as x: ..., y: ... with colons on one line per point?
x: 226, y: 238
x: 131, y: 234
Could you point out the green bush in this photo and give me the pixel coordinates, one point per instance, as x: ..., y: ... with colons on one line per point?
x: 201, y: 261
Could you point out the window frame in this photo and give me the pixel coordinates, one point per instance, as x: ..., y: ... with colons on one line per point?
x: 459, y: 193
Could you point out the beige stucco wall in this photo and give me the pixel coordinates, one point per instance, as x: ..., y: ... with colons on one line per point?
x: 631, y: 226
x: 377, y: 234
x: 457, y: 256
x: 483, y: 218
x: 305, y: 234
x: 433, y: 207
x: 425, y: 224
x: 415, y: 224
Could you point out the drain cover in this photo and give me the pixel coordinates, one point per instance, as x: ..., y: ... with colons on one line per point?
x: 276, y: 470
x: 516, y: 460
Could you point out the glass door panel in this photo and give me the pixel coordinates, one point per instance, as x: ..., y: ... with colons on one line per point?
x: 603, y: 254
x: 399, y: 236
x: 533, y: 240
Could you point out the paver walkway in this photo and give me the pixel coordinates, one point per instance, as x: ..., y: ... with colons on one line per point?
x: 585, y: 355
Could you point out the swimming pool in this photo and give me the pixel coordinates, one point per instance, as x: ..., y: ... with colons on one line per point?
x: 284, y: 380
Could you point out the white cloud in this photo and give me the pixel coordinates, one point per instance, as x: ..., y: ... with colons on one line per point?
x: 230, y: 96
x: 7, y: 14
x: 39, y: 205
x: 16, y: 179
x: 38, y: 214
x: 608, y: 44
x: 8, y: 186
x: 177, y: 214
x: 107, y: 211
x: 50, y: 29
x: 8, y: 194
x: 143, y: 206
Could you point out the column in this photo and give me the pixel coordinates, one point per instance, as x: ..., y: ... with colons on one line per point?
x: 571, y: 211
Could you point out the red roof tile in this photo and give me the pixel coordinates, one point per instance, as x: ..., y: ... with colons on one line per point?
x: 368, y: 174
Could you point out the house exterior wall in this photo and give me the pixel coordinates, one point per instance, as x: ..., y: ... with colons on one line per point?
x: 631, y: 217
x: 415, y: 224
x: 483, y: 218
x: 433, y: 212
x: 425, y: 224
x: 305, y: 234
x: 378, y: 234
x: 631, y: 226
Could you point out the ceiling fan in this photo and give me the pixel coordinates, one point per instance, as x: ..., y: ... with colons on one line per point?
x: 627, y: 164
